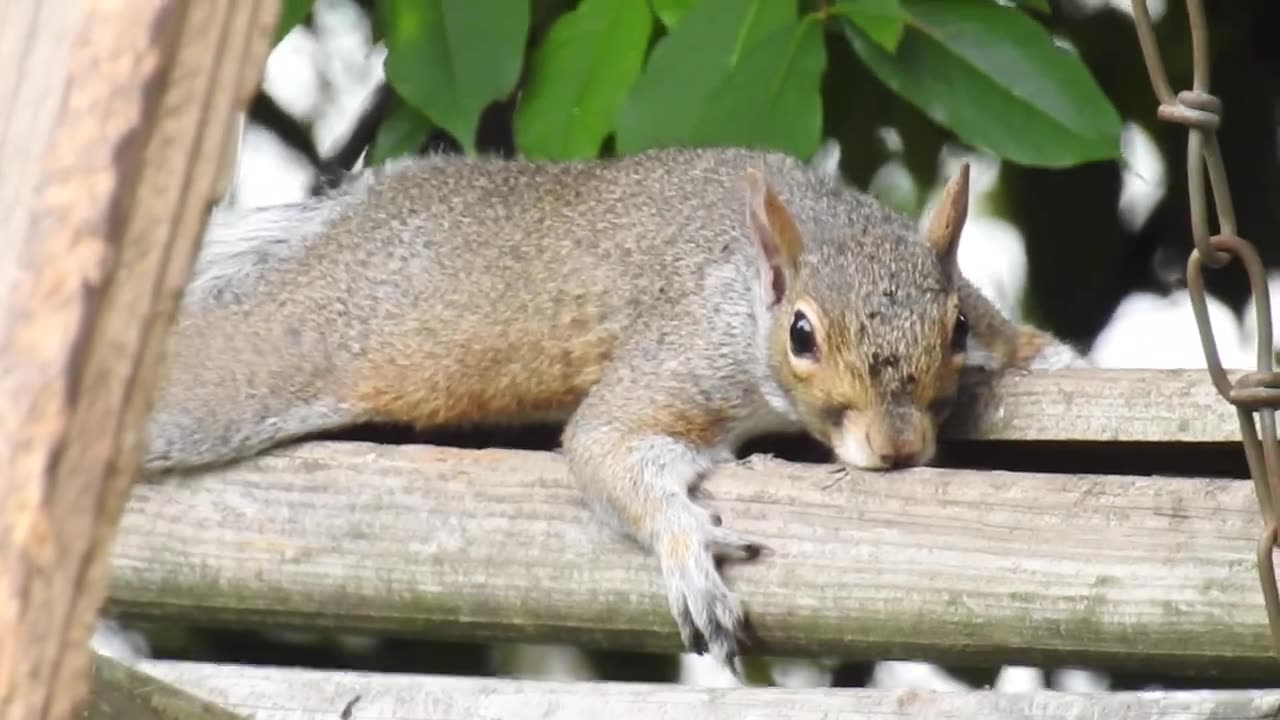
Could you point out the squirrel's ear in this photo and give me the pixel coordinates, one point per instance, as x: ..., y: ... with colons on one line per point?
x: 777, y: 238
x: 943, y: 233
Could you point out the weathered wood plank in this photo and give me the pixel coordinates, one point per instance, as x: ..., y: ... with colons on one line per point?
x: 121, y: 692
x: 298, y: 694
x: 948, y: 565
x: 1095, y: 406
x: 114, y: 122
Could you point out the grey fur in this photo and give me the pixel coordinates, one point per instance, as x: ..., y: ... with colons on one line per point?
x: 623, y: 294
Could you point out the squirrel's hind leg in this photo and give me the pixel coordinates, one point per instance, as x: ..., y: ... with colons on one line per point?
x: 185, y: 440
x: 1006, y: 344
x: 211, y: 408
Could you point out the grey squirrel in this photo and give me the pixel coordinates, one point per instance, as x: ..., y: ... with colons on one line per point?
x: 667, y: 305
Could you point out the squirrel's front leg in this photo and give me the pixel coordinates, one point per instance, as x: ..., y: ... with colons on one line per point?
x: 638, y: 479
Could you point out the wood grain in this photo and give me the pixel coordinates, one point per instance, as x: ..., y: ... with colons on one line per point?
x: 297, y: 694
x: 945, y: 565
x: 1165, y: 406
x: 114, y: 119
x: 122, y: 692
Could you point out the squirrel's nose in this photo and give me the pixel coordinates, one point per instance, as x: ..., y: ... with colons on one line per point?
x: 890, y: 460
x: 881, y: 441
x: 898, y: 447
x: 900, y: 459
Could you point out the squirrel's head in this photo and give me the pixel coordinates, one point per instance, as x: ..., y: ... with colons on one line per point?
x: 869, y: 355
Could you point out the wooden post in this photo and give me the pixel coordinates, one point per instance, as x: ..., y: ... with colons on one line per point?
x: 114, y: 134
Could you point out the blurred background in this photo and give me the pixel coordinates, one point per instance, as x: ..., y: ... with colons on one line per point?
x: 1079, y: 220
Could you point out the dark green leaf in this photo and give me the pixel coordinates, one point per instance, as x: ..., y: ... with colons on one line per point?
x: 881, y: 20
x: 292, y: 12
x: 994, y: 77
x: 670, y: 11
x: 772, y: 98
x: 1037, y: 5
x: 580, y: 75
x: 401, y: 133
x: 451, y: 59
x: 690, y: 64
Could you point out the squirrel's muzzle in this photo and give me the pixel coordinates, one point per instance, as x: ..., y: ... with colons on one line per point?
x: 899, y: 437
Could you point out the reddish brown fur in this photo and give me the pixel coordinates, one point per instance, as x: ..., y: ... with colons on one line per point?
x: 481, y: 383
x: 947, y: 221
x: 834, y: 382
x: 700, y: 427
x: 1028, y: 344
x: 939, y: 374
x: 784, y: 227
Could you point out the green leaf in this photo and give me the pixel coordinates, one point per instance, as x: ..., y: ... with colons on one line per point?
x: 1037, y: 5
x: 580, y: 75
x: 670, y: 11
x: 689, y: 65
x: 451, y: 59
x: 292, y: 12
x: 881, y: 20
x: 401, y: 132
x: 773, y: 97
x: 993, y: 76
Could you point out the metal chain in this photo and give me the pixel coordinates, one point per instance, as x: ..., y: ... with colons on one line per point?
x: 1254, y: 393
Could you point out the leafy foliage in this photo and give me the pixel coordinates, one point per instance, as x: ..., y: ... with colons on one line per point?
x: 727, y: 60
x: 402, y: 131
x: 670, y: 11
x: 881, y: 20
x: 292, y: 12
x: 586, y: 77
x: 450, y: 59
x: 994, y: 77
x: 579, y: 77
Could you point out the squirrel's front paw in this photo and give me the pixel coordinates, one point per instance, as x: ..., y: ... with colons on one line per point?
x: 708, y: 614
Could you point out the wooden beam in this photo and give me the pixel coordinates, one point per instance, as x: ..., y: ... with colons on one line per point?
x: 121, y: 692
x: 946, y: 565
x: 115, y: 122
x: 1166, y: 406
x: 298, y: 694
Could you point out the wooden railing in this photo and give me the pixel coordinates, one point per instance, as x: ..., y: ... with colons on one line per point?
x: 115, y: 142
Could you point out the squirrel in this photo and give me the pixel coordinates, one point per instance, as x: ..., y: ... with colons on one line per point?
x: 666, y: 306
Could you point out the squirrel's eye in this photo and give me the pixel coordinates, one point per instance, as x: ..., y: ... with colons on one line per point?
x: 802, y: 341
x: 959, y: 334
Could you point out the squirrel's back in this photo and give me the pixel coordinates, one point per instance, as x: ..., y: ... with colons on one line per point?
x: 444, y: 289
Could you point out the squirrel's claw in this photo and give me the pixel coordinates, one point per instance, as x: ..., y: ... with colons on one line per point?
x: 732, y: 545
x: 689, y: 635
x: 707, y: 613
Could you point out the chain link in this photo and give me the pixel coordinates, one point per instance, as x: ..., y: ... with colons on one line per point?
x: 1254, y: 394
